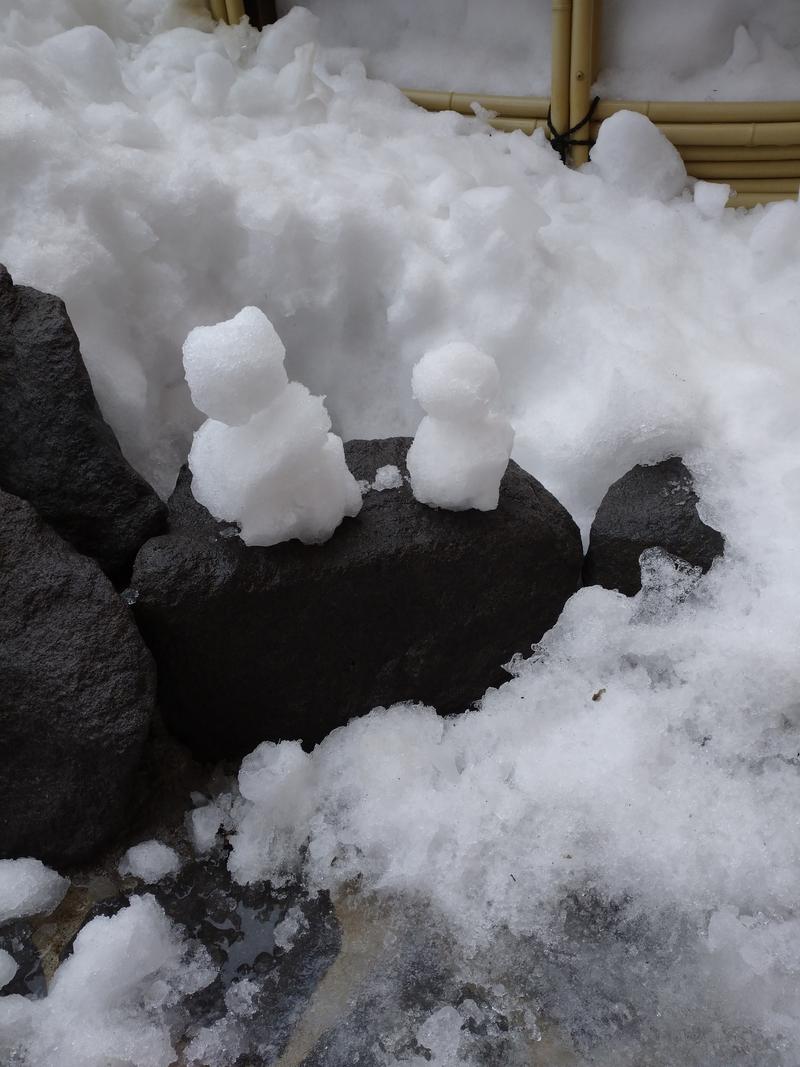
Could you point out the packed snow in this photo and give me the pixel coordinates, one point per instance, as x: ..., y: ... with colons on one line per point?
x: 264, y: 457
x: 613, y: 832
x: 461, y: 449
x: 683, y: 50
x: 150, y: 861
x: 27, y: 887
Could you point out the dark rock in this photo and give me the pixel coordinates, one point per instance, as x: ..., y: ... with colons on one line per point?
x: 649, y: 507
x: 56, y: 450
x: 76, y: 697
x: 405, y: 602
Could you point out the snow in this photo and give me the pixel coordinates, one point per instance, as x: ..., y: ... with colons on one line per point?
x: 633, y: 154
x: 387, y: 477
x: 113, y: 998
x: 265, y: 458
x: 27, y: 887
x: 204, y: 824
x: 644, y: 757
x: 461, y: 449
x: 711, y: 198
x: 742, y: 50
x: 8, y: 968
x: 150, y: 861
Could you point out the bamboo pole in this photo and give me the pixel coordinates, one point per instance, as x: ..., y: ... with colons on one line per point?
x: 730, y: 134
x: 219, y: 11
x: 524, y: 107
x: 235, y: 9
x: 782, y: 168
x: 580, y: 81
x: 597, y: 59
x: 763, y: 185
x: 749, y: 200
x: 561, y: 45
x: 713, y: 154
x: 668, y: 111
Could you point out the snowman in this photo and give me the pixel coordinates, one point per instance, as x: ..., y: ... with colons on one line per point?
x: 462, y: 446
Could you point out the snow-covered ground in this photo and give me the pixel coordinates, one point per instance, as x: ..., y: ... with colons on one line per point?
x: 161, y: 174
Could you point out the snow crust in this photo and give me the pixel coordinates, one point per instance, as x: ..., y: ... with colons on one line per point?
x: 461, y: 448
x: 150, y: 861
x: 27, y: 887
x: 113, y: 998
x: 264, y: 458
x: 641, y: 764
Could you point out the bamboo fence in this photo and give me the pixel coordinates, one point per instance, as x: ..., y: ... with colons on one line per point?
x: 752, y: 146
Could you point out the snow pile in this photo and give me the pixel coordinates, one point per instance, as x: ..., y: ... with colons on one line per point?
x: 264, y: 458
x: 747, y: 50
x: 632, y: 153
x: 204, y: 823
x: 8, y: 968
x: 113, y: 999
x: 27, y: 887
x: 150, y: 861
x: 461, y: 449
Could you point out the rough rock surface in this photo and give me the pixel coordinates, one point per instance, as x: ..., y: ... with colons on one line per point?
x: 56, y: 450
x: 76, y: 698
x: 405, y: 602
x: 649, y: 507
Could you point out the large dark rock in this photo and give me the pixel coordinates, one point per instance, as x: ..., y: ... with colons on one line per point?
x: 404, y: 602
x: 649, y: 507
x: 77, y: 692
x: 56, y: 450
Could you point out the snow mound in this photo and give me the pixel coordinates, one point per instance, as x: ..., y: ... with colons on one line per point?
x: 276, y: 470
x: 27, y: 887
x: 461, y: 449
x: 113, y: 999
x: 150, y: 861
x: 633, y: 154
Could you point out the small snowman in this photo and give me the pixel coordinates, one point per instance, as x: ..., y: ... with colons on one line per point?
x: 462, y: 446
x: 264, y: 457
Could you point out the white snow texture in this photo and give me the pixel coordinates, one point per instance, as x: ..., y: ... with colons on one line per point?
x: 150, y: 861
x: 27, y: 887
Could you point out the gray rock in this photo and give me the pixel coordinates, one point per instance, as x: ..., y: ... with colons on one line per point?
x: 56, y: 450
x: 649, y: 507
x: 76, y: 699
x: 405, y: 602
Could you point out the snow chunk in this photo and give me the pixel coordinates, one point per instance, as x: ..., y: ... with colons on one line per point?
x: 710, y: 198
x: 235, y: 369
x: 281, y: 474
x: 293, y: 923
x: 461, y: 449
x: 150, y: 861
x: 388, y: 477
x: 632, y: 153
x: 204, y: 825
x: 8, y: 968
x: 27, y: 887
x: 112, y: 999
